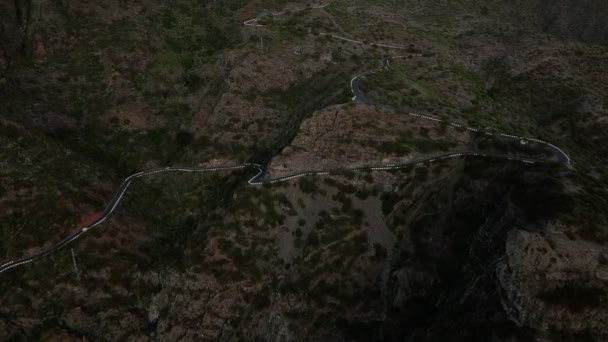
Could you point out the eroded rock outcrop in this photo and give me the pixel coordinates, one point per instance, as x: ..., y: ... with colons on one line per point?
x: 554, y: 283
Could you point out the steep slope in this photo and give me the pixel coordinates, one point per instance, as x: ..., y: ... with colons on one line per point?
x: 466, y: 248
x: 580, y: 20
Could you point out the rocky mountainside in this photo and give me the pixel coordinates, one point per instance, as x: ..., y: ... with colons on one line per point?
x: 467, y: 248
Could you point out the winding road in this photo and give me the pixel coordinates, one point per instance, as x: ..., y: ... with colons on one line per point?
x: 260, y: 177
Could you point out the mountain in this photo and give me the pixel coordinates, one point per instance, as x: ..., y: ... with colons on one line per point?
x: 439, y: 170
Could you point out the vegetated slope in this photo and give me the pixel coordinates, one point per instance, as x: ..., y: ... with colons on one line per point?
x: 582, y: 20
x: 460, y: 249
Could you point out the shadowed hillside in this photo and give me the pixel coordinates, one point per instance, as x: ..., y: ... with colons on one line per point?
x: 584, y: 20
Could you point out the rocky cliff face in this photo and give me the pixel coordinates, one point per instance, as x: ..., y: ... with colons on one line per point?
x: 554, y: 283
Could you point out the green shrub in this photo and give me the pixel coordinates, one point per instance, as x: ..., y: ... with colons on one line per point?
x: 308, y: 185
